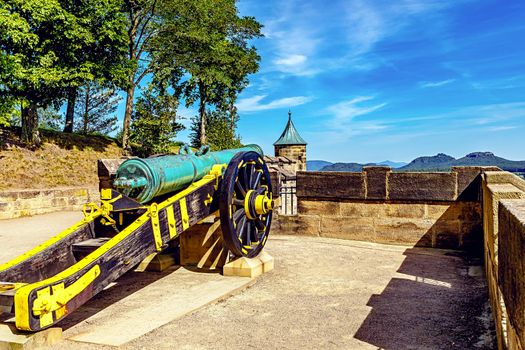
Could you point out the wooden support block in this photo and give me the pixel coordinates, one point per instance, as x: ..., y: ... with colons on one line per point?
x: 156, y: 262
x: 245, y: 267
x: 13, y: 339
x: 202, y: 246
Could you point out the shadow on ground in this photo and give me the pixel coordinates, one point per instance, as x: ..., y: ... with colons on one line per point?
x: 414, y: 310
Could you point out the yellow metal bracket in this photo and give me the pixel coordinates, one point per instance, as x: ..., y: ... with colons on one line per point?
x: 155, y: 224
x: 55, y: 298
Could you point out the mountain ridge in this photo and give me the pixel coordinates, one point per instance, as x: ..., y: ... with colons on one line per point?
x: 439, y: 162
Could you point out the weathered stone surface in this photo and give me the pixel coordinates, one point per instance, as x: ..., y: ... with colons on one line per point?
x: 319, y: 207
x: 376, y: 182
x: 14, y: 204
x: 469, y: 181
x: 347, y: 228
x: 405, y: 210
x: 308, y: 225
x: 511, y: 260
x: 332, y: 185
x: 295, y: 152
x: 404, y: 231
x: 353, y: 210
x: 13, y: 339
x: 422, y: 186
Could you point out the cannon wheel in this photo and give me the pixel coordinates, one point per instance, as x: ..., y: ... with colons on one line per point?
x: 246, y: 204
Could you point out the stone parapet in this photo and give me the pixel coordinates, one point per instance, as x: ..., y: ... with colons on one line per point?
x: 380, y: 183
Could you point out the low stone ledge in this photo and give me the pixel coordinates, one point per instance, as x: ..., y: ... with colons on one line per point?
x: 19, y: 203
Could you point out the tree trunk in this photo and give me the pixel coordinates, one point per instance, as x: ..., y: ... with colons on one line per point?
x: 30, y: 125
x: 233, y: 114
x: 86, y: 110
x: 127, y: 117
x: 202, y: 114
x: 70, y: 112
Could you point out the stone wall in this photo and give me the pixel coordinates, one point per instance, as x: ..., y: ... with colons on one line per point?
x: 295, y: 152
x: 18, y: 203
x: 426, y: 209
x: 504, y: 243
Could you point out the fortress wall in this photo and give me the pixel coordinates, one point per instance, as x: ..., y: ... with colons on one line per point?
x: 504, y: 250
x: 441, y: 210
x: 18, y: 203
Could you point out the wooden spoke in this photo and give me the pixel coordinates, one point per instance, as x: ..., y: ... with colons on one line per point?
x: 257, y: 180
x: 238, y: 202
x: 241, y: 189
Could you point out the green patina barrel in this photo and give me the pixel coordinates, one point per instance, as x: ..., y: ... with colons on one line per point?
x: 145, y: 179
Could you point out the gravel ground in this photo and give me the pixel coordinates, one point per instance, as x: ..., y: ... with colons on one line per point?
x: 335, y: 294
x: 323, y: 293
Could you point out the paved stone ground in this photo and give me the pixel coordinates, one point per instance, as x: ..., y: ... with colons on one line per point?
x: 335, y: 294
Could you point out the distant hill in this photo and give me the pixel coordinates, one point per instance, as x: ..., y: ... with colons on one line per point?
x: 392, y: 164
x: 443, y: 162
x: 315, y: 165
x: 439, y: 162
x: 353, y: 167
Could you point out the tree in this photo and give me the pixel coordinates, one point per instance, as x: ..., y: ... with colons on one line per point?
x: 50, y: 118
x: 210, y: 42
x: 95, y: 109
x: 219, y: 135
x: 38, y: 40
x: 101, y: 54
x: 154, y: 123
x: 141, y: 30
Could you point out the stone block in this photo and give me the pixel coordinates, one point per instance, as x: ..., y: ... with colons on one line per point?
x: 362, y: 210
x: 469, y: 181
x: 405, y: 210
x: 404, y: 231
x: 376, y: 182
x: 202, y: 246
x: 330, y: 185
x: 348, y: 228
x: 422, y: 186
x: 13, y: 339
x: 157, y: 262
x: 28, y: 194
x: 309, y: 225
x: 246, y: 267
x: 436, y: 210
x: 312, y: 207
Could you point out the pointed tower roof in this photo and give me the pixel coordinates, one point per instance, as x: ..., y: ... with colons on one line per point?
x: 290, y: 136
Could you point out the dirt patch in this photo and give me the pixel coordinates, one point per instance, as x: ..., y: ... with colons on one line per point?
x: 62, y: 160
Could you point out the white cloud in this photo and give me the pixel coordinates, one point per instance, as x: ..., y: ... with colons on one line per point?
x: 432, y: 84
x: 291, y: 60
x: 502, y: 128
x: 256, y: 104
x: 347, y: 110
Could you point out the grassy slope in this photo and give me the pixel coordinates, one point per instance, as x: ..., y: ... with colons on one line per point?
x: 62, y: 160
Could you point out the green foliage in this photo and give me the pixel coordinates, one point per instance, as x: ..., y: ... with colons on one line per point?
x: 9, y: 112
x: 210, y: 42
x: 220, y: 135
x: 48, y: 46
x: 154, y: 123
x: 95, y: 109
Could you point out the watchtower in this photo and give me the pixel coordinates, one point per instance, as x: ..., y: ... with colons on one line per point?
x: 291, y: 145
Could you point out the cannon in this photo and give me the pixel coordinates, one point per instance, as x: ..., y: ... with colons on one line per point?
x: 152, y: 202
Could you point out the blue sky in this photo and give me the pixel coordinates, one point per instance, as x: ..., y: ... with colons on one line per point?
x: 373, y: 80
